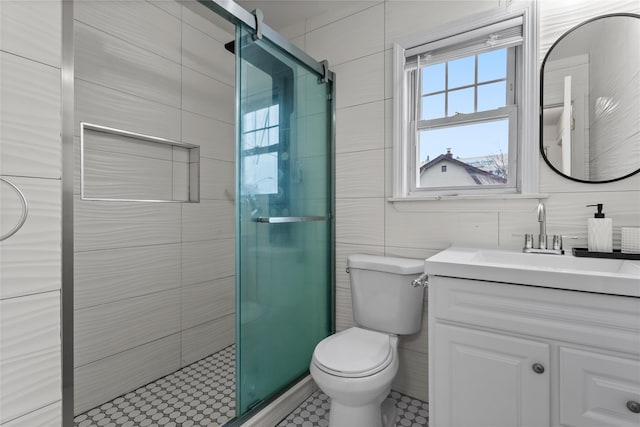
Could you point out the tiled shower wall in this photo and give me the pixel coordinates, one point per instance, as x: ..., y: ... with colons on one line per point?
x: 30, y: 157
x: 154, y: 282
x: 358, y: 46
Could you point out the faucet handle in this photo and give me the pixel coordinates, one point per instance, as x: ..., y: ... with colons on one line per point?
x: 557, y: 242
x: 528, y: 239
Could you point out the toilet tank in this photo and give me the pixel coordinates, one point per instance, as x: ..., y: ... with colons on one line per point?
x: 382, y: 296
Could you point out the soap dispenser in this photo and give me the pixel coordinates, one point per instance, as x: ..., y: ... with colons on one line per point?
x: 600, y: 231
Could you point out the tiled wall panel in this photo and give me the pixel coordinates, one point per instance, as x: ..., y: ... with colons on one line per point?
x: 109, y: 61
x: 155, y: 282
x: 110, y: 377
x: 30, y: 157
x: 50, y: 415
x: 30, y: 260
x: 207, y: 338
x: 30, y: 118
x: 108, y: 107
x: 105, y: 276
x: 207, y: 301
x: 30, y: 357
x: 107, y: 329
x: 138, y: 23
x: 31, y: 29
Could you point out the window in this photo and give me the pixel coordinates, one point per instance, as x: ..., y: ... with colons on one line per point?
x: 260, y: 145
x: 461, y: 108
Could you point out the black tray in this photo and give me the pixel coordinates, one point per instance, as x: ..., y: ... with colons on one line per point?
x: 616, y: 254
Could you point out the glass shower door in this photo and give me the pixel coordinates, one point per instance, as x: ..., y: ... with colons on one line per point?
x: 284, y: 218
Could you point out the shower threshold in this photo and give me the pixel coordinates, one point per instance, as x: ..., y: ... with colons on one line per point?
x: 200, y: 394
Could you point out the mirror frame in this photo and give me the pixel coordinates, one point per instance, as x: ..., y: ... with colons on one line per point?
x: 544, y: 62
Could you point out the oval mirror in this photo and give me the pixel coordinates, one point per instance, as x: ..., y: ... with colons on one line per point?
x: 590, y: 100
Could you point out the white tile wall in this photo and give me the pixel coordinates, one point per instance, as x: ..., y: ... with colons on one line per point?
x: 108, y: 107
x: 107, y: 329
x: 30, y: 364
x: 30, y: 357
x: 125, y: 371
x: 154, y: 282
x: 104, y: 225
x: 358, y: 35
x: 207, y: 96
x: 215, y: 138
x: 360, y: 81
x: 138, y: 23
x: 30, y: 259
x: 50, y: 415
x: 207, y: 55
x: 31, y: 29
x: 109, y: 61
x: 352, y: 136
x: 207, y: 338
x: 30, y: 118
x: 207, y: 301
x: 104, y: 276
x: 367, y: 223
x: 207, y: 260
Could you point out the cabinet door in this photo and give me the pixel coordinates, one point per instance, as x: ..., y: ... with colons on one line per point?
x: 483, y: 379
x: 598, y: 389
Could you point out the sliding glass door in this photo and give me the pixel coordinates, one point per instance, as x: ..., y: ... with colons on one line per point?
x: 284, y: 217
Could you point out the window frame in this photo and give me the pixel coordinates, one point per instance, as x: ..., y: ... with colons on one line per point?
x: 523, y: 160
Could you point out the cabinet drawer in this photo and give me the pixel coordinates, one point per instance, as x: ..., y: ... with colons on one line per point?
x: 596, y: 320
x: 595, y: 389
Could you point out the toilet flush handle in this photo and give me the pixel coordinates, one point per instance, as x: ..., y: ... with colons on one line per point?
x: 422, y: 280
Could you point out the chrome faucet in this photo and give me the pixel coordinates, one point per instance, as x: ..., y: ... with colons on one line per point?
x: 542, y: 237
x: 542, y: 219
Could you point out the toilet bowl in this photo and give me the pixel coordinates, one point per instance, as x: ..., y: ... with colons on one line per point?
x: 356, y: 367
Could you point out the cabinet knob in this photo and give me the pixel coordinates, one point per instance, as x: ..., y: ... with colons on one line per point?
x: 633, y: 406
x: 539, y: 369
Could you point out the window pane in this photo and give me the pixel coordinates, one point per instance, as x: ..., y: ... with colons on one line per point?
x: 474, y: 154
x: 492, y: 65
x: 274, y: 135
x: 460, y: 101
x: 274, y: 115
x: 433, y: 78
x: 249, y: 121
x: 260, y: 173
x: 492, y: 95
x: 461, y: 72
x: 433, y: 106
x: 261, y: 118
x: 248, y: 140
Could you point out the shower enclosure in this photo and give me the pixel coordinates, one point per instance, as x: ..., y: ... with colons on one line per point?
x: 284, y: 216
x: 199, y: 231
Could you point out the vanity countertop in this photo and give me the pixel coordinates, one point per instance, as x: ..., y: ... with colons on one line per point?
x: 605, y: 276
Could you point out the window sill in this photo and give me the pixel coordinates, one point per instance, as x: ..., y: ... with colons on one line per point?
x: 493, y: 196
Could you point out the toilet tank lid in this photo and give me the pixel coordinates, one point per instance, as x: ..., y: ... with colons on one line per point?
x: 386, y: 264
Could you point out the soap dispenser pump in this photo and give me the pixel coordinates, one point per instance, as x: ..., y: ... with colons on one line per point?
x: 600, y: 231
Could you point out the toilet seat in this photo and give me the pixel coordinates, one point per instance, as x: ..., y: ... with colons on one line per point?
x: 354, y: 353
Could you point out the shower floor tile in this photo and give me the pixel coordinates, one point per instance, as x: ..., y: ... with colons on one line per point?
x: 201, y: 394
x: 314, y: 412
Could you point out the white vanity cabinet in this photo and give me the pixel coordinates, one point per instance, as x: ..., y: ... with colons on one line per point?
x: 507, y: 355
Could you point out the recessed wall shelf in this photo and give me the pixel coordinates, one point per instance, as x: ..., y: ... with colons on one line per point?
x: 118, y: 165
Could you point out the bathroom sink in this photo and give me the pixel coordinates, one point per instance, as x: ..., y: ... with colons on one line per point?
x: 609, y: 276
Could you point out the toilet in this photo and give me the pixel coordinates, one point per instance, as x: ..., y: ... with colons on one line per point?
x: 355, y: 367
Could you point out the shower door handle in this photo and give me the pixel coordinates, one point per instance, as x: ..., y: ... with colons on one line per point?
x: 286, y: 219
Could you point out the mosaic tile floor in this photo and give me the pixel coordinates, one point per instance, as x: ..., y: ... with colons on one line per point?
x: 201, y: 394
x: 314, y: 412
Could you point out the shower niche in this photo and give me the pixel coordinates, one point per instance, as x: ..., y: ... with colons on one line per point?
x: 118, y: 165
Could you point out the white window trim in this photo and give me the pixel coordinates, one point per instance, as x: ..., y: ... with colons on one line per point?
x: 528, y: 110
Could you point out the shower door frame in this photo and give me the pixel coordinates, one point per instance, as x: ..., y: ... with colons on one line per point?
x: 235, y: 14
